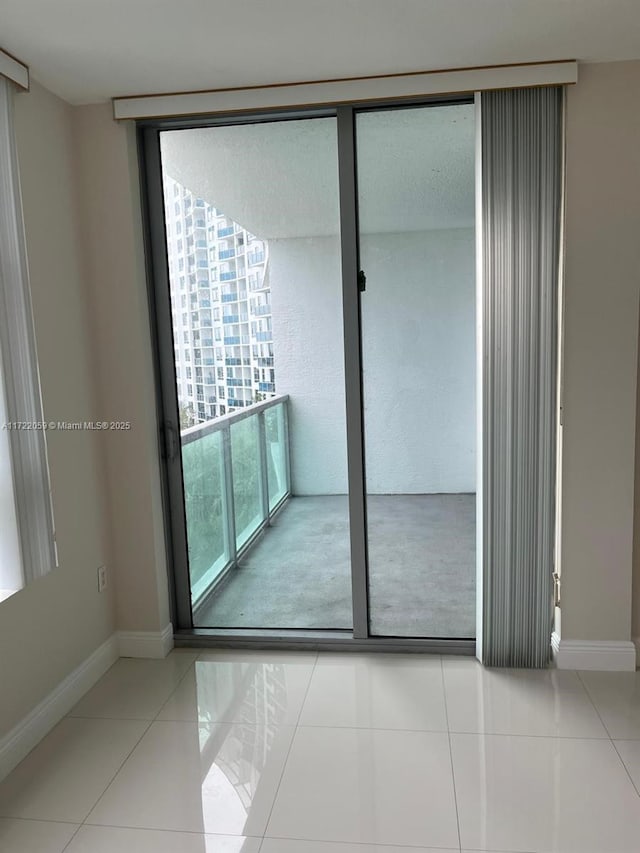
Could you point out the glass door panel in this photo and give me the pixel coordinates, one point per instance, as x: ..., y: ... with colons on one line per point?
x: 252, y: 226
x: 416, y: 185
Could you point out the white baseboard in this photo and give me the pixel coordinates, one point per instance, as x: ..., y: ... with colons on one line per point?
x: 17, y: 743
x: 605, y: 655
x: 145, y: 644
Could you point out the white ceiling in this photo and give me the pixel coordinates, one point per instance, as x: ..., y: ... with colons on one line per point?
x: 91, y: 50
x: 279, y: 179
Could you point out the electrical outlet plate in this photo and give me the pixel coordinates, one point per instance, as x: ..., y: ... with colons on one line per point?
x: 102, y: 578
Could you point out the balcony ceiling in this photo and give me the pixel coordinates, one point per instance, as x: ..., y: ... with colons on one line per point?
x: 90, y: 50
x: 279, y: 180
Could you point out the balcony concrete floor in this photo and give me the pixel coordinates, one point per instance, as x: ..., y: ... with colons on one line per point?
x: 297, y: 575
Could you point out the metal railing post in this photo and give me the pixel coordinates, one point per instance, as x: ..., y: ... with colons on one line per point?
x: 287, y: 449
x: 228, y: 503
x: 264, y: 474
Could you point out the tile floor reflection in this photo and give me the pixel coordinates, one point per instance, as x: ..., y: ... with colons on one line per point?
x: 241, y: 752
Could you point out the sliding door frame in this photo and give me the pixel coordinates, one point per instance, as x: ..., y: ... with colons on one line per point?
x: 148, y: 132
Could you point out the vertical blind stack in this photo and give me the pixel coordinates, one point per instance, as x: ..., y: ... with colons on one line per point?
x: 522, y: 166
x: 19, y: 363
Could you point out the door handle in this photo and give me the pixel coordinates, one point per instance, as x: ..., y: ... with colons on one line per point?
x: 170, y: 442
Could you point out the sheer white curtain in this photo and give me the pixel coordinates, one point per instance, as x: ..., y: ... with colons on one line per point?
x: 22, y: 401
x: 522, y: 160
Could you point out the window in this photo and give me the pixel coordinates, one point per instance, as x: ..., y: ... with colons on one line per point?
x: 27, y: 543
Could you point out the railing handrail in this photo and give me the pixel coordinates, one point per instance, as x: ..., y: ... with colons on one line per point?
x: 224, y: 421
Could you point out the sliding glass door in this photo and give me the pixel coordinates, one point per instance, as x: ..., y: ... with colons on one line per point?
x: 415, y: 179
x: 314, y: 298
x: 252, y: 222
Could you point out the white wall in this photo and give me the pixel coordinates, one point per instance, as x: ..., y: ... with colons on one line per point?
x: 600, y: 351
x: 419, y: 361
x: 50, y: 627
x: 418, y: 317
x: 306, y: 304
x: 112, y: 239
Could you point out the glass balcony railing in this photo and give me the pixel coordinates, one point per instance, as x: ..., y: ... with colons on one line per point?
x: 226, y: 253
x: 227, y: 276
x: 236, y: 475
x: 260, y: 310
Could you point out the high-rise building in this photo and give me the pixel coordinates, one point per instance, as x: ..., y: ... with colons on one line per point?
x: 221, y: 308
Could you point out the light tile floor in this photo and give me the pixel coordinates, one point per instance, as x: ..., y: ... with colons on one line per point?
x: 241, y: 752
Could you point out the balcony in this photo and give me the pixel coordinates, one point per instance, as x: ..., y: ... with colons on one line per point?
x: 230, y: 318
x: 263, y: 336
x: 261, y: 556
x: 226, y: 253
x: 232, y: 339
x: 230, y: 297
x: 260, y: 310
x: 228, y: 276
x: 225, y: 232
x: 255, y: 258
